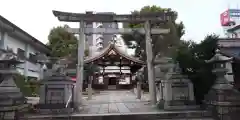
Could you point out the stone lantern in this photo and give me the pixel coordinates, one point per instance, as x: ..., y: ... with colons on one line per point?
x: 165, y: 64
x: 56, y: 90
x: 220, y: 70
x: 42, y: 59
x: 180, y: 93
x: 12, y: 101
x: 222, y: 99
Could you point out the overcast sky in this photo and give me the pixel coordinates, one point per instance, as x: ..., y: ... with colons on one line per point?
x: 200, y: 17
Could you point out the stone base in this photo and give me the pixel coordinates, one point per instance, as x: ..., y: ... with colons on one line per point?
x: 7, y: 115
x: 54, y: 108
x: 179, y: 115
x: 160, y: 104
x: 55, y: 111
x: 13, y: 112
x: 180, y: 105
x: 181, y: 102
x: 134, y: 90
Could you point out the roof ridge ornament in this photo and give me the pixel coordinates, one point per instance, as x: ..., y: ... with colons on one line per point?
x: 112, y: 42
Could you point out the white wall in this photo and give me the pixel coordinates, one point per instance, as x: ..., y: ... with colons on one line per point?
x: 238, y: 33
x: 28, y: 68
x: 231, y: 35
x: 13, y: 43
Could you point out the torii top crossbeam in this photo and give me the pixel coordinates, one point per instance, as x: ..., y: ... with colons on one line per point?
x: 142, y: 17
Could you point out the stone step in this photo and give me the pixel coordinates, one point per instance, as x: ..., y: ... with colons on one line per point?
x: 184, y: 107
x: 171, y: 115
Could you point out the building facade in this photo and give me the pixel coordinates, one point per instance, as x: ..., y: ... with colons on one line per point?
x: 234, y: 32
x: 230, y: 19
x: 96, y: 42
x: 24, y: 45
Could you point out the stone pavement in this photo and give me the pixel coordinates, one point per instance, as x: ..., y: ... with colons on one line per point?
x: 116, y: 102
x: 118, y: 105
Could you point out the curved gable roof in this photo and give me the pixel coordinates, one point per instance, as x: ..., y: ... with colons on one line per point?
x: 107, y: 50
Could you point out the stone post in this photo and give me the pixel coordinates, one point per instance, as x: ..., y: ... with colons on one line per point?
x: 139, y: 95
x: 90, y: 91
x: 139, y: 84
x: 223, y: 100
x: 139, y: 78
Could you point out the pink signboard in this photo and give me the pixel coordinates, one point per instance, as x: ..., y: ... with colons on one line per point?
x: 229, y: 17
x: 73, y: 78
x: 225, y: 19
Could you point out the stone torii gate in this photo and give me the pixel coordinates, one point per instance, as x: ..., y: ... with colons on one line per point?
x: 159, y: 17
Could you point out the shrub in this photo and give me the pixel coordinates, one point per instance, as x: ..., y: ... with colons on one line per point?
x: 28, y: 88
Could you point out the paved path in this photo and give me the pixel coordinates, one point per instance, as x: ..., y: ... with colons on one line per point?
x: 116, y: 102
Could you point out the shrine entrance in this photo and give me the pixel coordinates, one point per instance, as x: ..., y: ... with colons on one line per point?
x: 116, y: 69
x: 112, y: 81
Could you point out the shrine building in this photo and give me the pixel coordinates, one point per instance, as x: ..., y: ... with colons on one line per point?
x: 117, y: 69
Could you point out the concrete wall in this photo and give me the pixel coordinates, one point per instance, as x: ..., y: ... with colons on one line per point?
x: 236, y: 34
x: 229, y: 42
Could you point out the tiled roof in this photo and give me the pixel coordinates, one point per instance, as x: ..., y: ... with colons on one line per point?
x: 234, y: 28
x: 113, y: 47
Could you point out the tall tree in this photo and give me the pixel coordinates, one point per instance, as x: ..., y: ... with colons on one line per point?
x: 191, y: 57
x: 162, y: 44
x: 61, y: 42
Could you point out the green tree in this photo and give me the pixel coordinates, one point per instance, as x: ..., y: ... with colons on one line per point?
x: 90, y: 69
x: 191, y: 57
x: 162, y: 44
x: 61, y: 42
x: 23, y: 85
